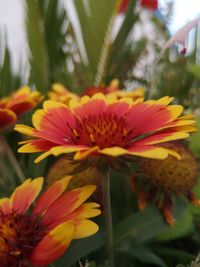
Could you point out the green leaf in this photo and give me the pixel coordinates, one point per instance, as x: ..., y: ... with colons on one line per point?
x: 146, y: 255
x: 8, y: 80
x: 182, y: 227
x: 194, y: 69
x: 121, y: 38
x: 180, y: 256
x: 55, y: 27
x: 139, y: 227
x: 37, y: 45
x: 95, y: 20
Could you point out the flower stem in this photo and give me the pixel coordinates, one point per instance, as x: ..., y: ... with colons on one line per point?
x: 108, y: 218
x: 12, y: 159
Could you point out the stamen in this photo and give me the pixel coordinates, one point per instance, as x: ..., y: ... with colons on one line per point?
x: 125, y: 131
x: 75, y: 132
x: 92, y: 138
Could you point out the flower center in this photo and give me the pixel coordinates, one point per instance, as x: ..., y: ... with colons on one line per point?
x: 19, y: 234
x: 105, y: 130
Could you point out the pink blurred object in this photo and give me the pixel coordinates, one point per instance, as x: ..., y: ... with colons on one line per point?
x: 181, y: 35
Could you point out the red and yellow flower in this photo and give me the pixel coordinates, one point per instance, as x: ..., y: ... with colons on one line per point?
x: 113, y: 90
x: 18, y: 103
x: 106, y: 126
x: 43, y: 234
x: 62, y: 94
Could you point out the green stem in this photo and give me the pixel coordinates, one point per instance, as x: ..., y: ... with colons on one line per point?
x: 108, y: 218
x: 12, y: 159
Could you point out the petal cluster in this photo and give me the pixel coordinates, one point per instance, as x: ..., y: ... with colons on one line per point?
x: 43, y: 235
x: 106, y: 126
x: 61, y: 94
x: 15, y: 105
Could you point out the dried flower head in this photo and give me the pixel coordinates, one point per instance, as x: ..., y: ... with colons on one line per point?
x: 160, y: 180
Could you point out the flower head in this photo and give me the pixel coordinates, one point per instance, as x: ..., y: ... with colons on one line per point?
x: 159, y: 180
x: 113, y: 87
x: 61, y: 94
x: 65, y: 167
x: 150, y: 4
x: 43, y: 234
x: 106, y: 126
x: 113, y: 90
x: 15, y: 105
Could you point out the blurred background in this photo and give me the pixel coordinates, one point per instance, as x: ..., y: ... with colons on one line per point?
x: 12, y: 23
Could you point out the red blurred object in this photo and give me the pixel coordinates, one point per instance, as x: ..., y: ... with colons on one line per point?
x: 151, y: 4
x: 123, y: 6
x: 183, y: 51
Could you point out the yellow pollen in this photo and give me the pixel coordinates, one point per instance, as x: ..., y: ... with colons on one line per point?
x: 92, y: 138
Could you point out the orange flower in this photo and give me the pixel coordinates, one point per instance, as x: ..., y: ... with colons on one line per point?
x: 113, y: 90
x: 61, y: 94
x: 18, y: 103
x: 43, y: 234
x: 106, y: 126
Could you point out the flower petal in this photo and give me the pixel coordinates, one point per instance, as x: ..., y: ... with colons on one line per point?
x: 163, y: 136
x: 85, y: 228
x: 92, y: 107
x: 180, y: 36
x: 85, y: 153
x: 5, y: 205
x: 142, y: 113
x: 51, y: 195
x: 53, y: 245
x: 113, y: 151
x: 86, y: 210
x: 36, y: 145
x: 66, y: 204
x: 149, y: 152
x: 7, y: 118
x: 23, y: 129
x: 25, y: 194
x: 54, y: 122
x: 22, y: 106
x: 58, y: 150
